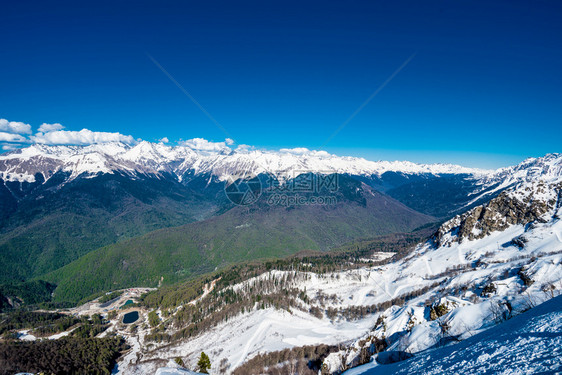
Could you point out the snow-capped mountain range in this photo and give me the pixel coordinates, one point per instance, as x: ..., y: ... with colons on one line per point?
x: 155, y: 158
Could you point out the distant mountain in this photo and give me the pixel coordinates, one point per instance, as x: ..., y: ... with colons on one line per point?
x: 441, y: 188
x: 435, y: 189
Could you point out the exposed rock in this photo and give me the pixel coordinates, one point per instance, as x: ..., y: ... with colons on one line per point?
x: 511, y: 207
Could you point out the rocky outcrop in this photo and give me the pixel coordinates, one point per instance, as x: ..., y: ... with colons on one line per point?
x: 356, y: 354
x: 519, y: 206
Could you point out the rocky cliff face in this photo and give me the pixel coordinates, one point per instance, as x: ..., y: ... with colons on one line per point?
x: 517, y: 206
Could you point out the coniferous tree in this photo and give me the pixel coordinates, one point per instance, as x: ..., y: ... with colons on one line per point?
x: 179, y: 361
x: 204, y: 363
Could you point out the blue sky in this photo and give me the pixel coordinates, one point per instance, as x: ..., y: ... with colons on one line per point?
x: 484, y: 87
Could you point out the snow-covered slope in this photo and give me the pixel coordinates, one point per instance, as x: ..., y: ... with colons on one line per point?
x: 175, y: 371
x: 492, y: 263
x: 146, y: 157
x: 530, y: 343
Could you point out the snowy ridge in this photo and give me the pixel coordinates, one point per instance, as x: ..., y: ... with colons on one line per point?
x: 153, y: 158
x: 547, y: 168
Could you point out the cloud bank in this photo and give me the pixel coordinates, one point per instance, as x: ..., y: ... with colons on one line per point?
x: 14, y: 127
x: 79, y: 138
x: 12, y: 138
x: 45, y: 128
x: 15, y: 134
x: 303, y: 151
x: 201, y: 144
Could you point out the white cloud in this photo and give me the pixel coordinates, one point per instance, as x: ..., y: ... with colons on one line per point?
x: 202, y: 144
x: 229, y: 141
x: 45, y: 128
x: 13, y: 138
x: 303, y: 151
x: 164, y: 140
x: 321, y: 153
x: 80, y: 138
x: 9, y: 147
x: 16, y: 134
x: 296, y: 151
x: 245, y: 148
x: 14, y: 127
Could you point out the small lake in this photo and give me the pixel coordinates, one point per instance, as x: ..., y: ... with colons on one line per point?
x: 131, y: 317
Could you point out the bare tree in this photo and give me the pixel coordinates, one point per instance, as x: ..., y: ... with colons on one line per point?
x: 444, y: 327
x: 549, y: 290
x: 496, y: 311
x: 529, y: 301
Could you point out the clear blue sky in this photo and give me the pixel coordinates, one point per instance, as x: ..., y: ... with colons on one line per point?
x: 484, y: 88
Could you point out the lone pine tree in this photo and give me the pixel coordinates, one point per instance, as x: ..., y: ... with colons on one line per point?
x: 204, y: 363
